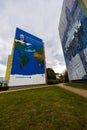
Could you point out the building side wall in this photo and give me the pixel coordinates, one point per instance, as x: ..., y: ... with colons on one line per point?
x: 8, y: 69
x: 28, y: 60
x: 73, y: 36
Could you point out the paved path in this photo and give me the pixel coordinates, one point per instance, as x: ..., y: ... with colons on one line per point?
x: 78, y: 91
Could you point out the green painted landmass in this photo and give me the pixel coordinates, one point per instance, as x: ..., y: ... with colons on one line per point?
x: 23, y: 60
x: 83, y: 7
x: 39, y: 50
x: 17, y: 44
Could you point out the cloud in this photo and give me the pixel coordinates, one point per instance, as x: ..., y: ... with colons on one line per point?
x: 2, y: 70
x: 38, y: 17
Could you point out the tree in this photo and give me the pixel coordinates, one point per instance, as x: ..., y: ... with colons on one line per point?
x: 66, y: 79
x: 51, y: 74
x: 61, y: 78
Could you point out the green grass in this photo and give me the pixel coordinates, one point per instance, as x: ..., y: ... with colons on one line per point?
x: 51, y: 108
x: 76, y: 85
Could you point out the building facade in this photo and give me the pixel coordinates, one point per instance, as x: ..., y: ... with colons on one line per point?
x: 26, y: 65
x: 8, y: 69
x: 73, y: 36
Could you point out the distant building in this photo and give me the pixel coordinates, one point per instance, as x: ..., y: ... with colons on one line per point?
x: 73, y: 36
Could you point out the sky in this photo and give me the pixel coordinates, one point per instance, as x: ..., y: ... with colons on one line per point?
x: 38, y: 17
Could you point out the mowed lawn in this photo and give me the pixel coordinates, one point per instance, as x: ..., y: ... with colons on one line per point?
x: 51, y: 108
x: 77, y: 85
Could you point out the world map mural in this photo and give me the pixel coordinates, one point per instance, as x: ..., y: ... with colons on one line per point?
x: 28, y: 60
x: 28, y: 57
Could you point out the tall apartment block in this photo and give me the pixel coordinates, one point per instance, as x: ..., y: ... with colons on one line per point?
x: 73, y: 36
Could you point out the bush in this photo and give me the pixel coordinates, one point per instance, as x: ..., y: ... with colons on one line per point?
x: 49, y: 82
x: 4, y: 88
x: 51, y: 74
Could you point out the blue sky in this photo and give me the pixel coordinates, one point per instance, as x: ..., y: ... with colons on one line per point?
x: 38, y: 17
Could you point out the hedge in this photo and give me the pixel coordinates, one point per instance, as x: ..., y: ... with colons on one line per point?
x: 49, y: 82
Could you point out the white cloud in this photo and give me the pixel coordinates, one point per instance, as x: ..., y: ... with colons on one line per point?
x: 2, y: 70
x: 38, y: 17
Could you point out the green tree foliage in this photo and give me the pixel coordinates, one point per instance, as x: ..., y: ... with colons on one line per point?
x: 51, y: 74
x: 51, y: 77
x: 61, y: 79
x: 66, y: 79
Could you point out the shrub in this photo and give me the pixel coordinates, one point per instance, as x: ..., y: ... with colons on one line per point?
x: 4, y: 88
x: 49, y: 82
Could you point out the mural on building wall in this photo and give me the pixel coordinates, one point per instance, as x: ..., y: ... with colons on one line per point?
x: 75, y: 40
x: 28, y: 56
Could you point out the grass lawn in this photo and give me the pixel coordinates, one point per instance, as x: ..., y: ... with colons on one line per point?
x: 51, y: 108
x: 81, y: 86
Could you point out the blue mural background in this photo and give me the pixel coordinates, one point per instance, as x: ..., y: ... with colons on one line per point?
x: 28, y: 55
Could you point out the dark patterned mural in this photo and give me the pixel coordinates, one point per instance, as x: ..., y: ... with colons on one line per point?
x: 73, y: 35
